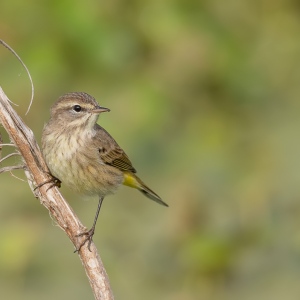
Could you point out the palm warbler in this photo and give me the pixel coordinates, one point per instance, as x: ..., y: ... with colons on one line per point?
x: 84, y: 156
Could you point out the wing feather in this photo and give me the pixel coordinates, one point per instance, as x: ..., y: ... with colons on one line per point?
x: 117, y: 158
x: 111, y: 153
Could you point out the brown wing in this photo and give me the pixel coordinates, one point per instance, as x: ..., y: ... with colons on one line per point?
x: 110, y: 152
x: 117, y: 158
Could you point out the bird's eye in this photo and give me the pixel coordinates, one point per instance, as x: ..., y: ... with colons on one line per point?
x: 77, y: 108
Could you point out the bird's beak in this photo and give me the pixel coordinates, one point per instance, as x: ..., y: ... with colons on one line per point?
x: 100, y: 109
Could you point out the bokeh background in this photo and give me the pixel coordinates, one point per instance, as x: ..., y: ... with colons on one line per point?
x: 204, y: 98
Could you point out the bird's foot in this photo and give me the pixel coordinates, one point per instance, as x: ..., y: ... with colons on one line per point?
x: 89, y: 237
x: 55, y: 182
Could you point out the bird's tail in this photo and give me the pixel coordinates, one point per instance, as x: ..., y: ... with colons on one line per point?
x: 133, y: 181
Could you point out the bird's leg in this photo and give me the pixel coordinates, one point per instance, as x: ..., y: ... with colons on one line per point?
x: 89, y: 234
x: 55, y: 182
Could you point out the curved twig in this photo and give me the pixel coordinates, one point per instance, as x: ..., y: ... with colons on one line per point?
x: 20, y: 60
x: 8, y: 156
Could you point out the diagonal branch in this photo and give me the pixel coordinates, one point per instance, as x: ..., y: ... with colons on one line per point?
x: 36, y: 171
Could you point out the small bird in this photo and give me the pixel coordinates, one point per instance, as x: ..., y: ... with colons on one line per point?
x: 83, y: 155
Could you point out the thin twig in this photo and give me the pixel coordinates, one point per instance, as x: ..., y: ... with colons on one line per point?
x: 8, y: 156
x: 15, y: 176
x: 12, y: 168
x: 23, y: 64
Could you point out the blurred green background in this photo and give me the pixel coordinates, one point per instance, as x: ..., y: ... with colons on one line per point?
x: 204, y: 98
